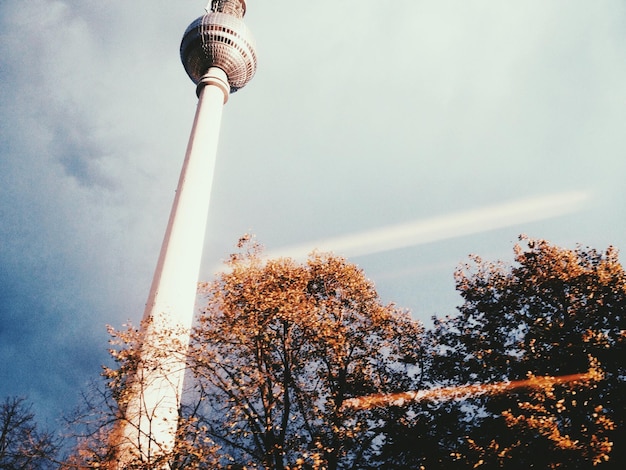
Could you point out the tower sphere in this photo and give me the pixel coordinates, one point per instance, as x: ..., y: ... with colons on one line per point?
x: 219, y: 40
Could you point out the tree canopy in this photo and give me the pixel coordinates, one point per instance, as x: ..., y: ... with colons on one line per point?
x: 281, y: 346
x: 301, y: 366
x: 555, y: 312
x: 22, y: 445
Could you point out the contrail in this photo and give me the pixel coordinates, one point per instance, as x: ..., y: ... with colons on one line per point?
x: 441, y: 228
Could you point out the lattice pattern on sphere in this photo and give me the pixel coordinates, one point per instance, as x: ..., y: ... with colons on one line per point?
x: 232, y: 7
x: 219, y: 40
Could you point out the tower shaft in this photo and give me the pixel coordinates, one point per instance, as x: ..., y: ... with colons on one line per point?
x: 218, y: 53
x: 151, y: 415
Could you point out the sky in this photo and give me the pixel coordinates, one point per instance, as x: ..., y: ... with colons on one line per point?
x: 402, y: 136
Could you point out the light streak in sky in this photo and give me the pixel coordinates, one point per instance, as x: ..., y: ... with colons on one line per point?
x: 441, y: 228
x: 451, y: 393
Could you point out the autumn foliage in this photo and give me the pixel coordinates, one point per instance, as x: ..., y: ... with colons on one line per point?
x: 555, y: 312
x: 301, y: 366
x: 281, y: 346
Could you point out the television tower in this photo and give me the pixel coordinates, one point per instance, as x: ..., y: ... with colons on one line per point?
x: 218, y: 54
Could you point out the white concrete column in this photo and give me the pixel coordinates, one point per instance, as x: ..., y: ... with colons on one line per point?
x: 151, y: 415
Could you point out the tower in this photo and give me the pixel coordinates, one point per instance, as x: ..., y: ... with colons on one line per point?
x: 218, y: 54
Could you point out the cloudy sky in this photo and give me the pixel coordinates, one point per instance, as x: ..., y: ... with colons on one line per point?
x: 404, y: 136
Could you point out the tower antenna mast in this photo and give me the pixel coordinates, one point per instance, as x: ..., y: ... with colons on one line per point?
x: 218, y: 54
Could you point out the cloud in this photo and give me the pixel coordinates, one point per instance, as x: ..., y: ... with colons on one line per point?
x: 78, y: 148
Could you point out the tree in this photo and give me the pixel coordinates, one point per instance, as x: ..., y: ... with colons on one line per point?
x: 278, y: 349
x: 555, y: 312
x: 94, y: 426
x: 281, y: 346
x: 22, y: 445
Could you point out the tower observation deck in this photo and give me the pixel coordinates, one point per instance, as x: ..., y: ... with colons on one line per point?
x: 220, y: 39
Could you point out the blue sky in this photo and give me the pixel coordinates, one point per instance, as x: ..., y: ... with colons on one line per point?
x: 404, y: 138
